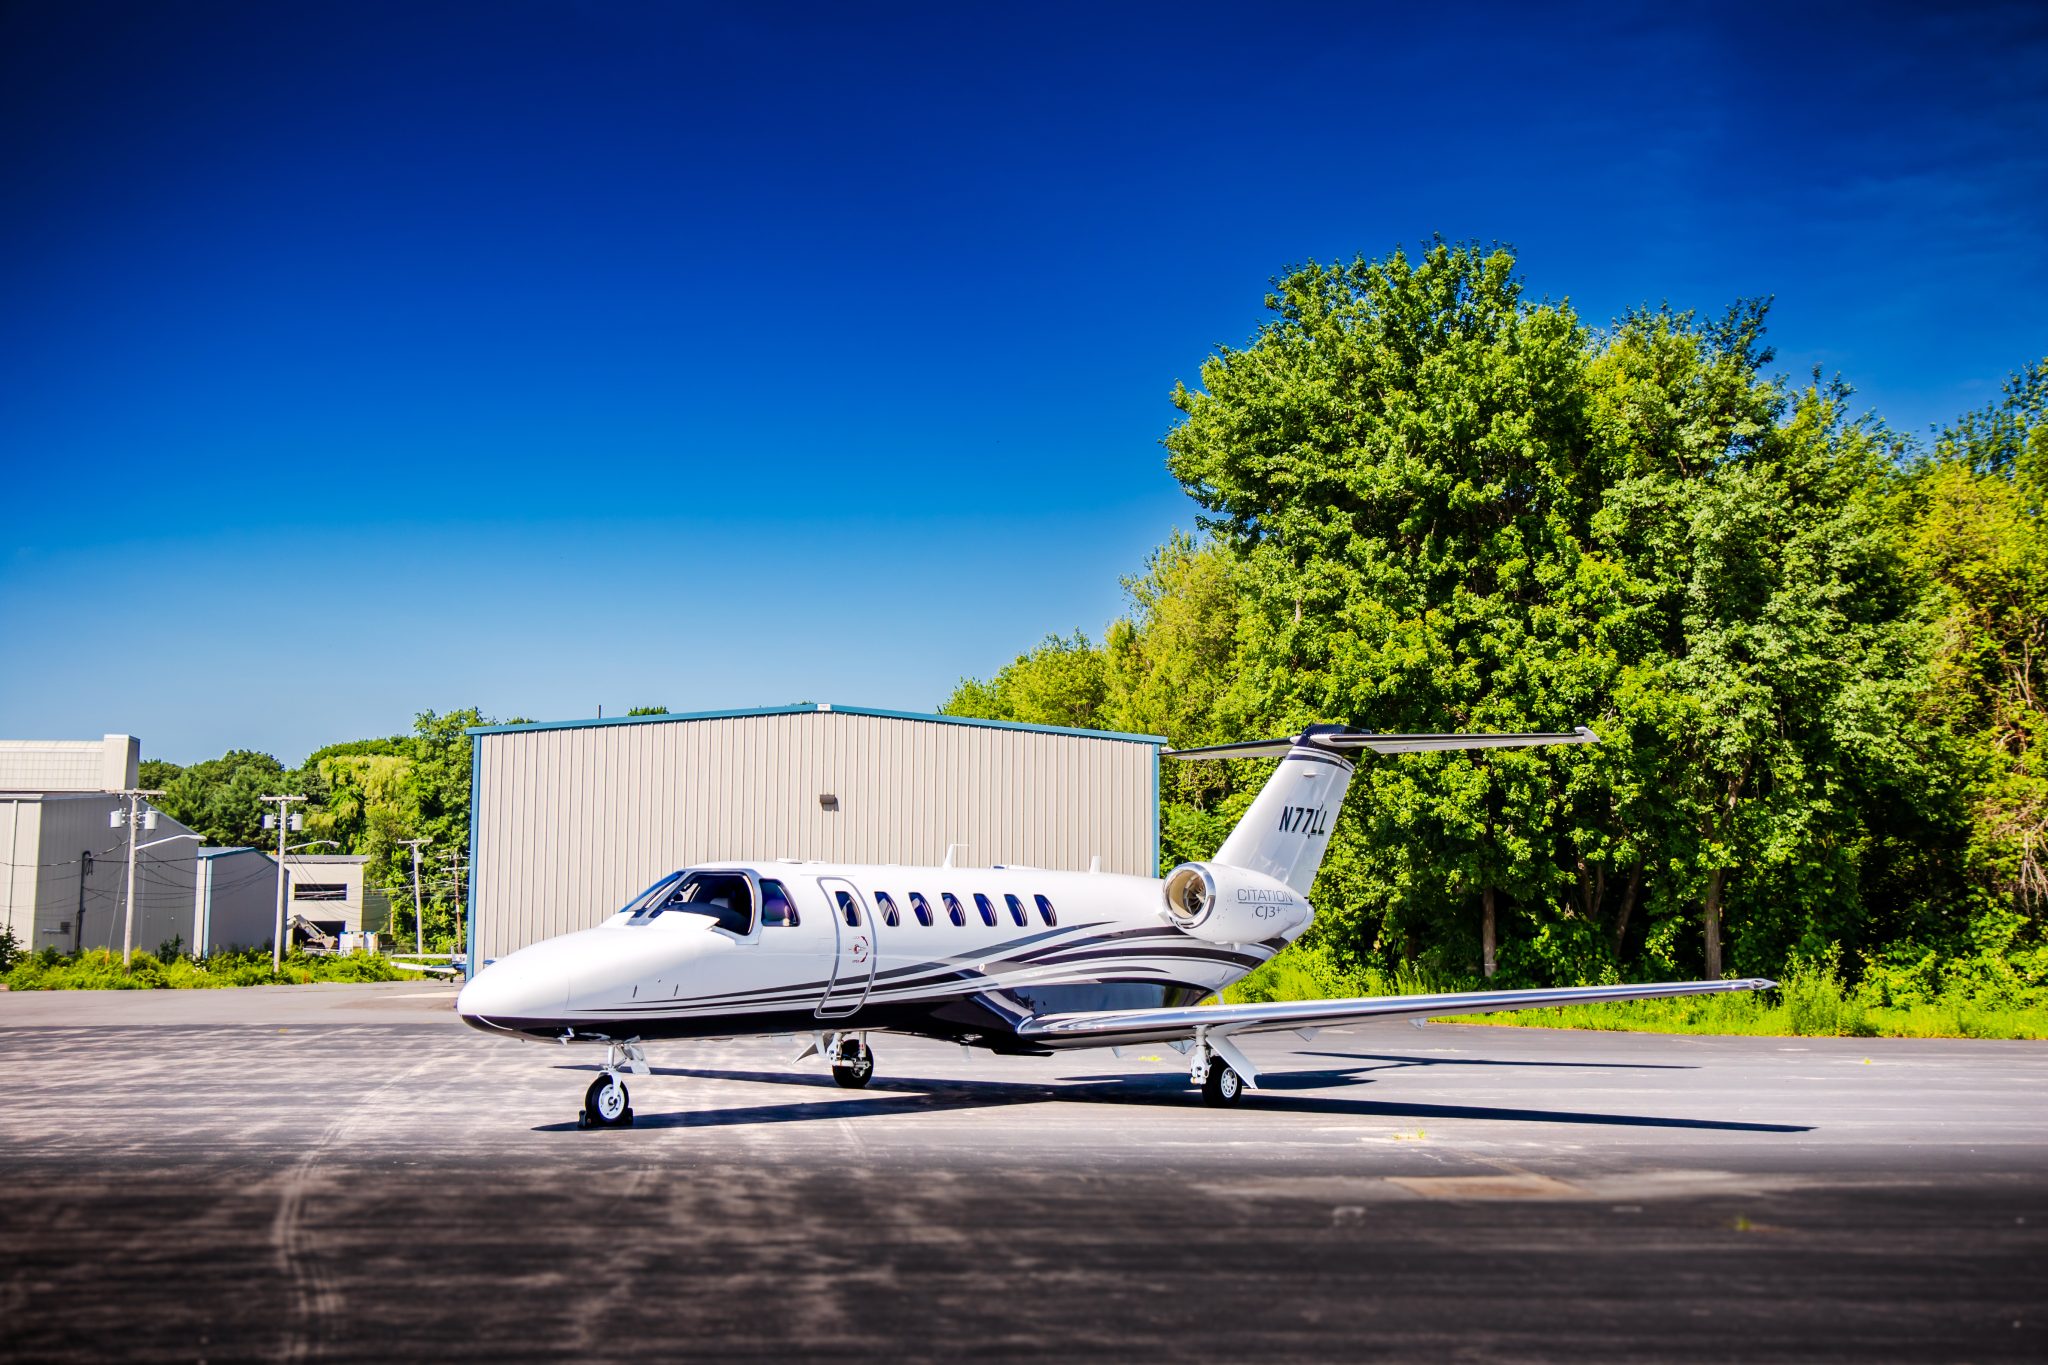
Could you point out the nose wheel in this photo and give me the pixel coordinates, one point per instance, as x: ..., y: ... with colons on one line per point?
x: 606, y: 1104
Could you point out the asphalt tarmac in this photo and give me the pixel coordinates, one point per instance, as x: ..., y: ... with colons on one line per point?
x: 346, y: 1173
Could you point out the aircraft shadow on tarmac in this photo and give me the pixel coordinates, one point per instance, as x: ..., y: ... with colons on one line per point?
x: 903, y: 1095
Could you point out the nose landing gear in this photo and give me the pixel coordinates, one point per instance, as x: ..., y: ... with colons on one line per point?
x: 608, y: 1104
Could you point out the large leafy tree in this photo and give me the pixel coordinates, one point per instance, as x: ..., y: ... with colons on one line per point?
x: 1978, y: 515
x: 1396, y: 462
x: 221, y: 798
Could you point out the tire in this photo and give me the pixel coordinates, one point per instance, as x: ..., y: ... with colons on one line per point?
x: 858, y: 1072
x: 607, y: 1104
x: 1223, y: 1088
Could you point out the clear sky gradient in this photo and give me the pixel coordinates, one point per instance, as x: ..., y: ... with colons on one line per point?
x: 359, y: 358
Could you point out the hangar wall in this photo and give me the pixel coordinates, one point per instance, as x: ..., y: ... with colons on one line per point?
x: 571, y: 819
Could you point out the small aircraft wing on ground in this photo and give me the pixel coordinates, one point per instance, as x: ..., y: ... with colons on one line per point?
x: 1216, y: 1024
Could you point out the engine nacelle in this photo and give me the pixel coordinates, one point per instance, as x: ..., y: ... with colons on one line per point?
x: 1230, y: 905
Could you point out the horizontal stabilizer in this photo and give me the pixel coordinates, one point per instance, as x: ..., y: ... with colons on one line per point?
x: 1340, y: 738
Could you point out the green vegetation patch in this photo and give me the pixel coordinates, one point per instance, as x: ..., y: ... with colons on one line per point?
x: 99, y: 970
x: 1917, y: 999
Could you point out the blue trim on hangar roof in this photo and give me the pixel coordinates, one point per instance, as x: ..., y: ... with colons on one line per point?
x: 667, y: 716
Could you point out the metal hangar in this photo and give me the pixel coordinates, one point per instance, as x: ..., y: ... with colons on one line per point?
x: 569, y: 819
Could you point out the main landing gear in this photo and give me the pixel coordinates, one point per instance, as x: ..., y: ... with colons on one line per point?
x: 853, y: 1065
x: 853, y: 1062
x: 1221, y: 1085
x: 608, y: 1104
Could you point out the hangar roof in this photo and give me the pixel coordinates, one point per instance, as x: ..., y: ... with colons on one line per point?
x: 667, y: 716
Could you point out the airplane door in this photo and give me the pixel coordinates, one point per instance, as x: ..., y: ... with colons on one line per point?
x: 853, y: 973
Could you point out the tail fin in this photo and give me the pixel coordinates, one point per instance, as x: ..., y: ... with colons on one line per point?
x: 1286, y: 832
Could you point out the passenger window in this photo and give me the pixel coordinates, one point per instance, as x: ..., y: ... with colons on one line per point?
x: 987, y: 908
x: 1045, y: 911
x: 922, y: 908
x: 1016, y: 910
x: 953, y: 911
x: 887, y: 906
x: 777, y: 910
x: 849, y: 908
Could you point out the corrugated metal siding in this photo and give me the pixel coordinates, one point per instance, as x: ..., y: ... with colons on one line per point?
x: 165, y: 877
x: 570, y: 822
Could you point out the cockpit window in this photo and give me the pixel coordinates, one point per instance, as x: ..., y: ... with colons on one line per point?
x: 723, y: 897
x: 654, y: 895
x: 777, y: 909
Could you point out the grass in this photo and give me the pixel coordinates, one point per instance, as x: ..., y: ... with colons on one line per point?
x: 1811, y: 1001
x: 100, y: 970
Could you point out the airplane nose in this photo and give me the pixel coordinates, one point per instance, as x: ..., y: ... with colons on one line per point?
x: 512, y: 989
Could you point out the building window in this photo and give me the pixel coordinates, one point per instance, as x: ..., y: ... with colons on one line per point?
x: 888, y: 908
x: 987, y: 908
x: 1045, y: 911
x: 319, y: 891
x: 922, y: 908
x: 953, y: 911
x: 1016, y: 911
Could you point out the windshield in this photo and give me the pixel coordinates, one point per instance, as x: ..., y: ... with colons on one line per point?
x: 652, y: 896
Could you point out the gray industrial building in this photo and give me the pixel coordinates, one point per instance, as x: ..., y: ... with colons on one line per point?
x: 235, y: 902
x: 64, y: 885
x: 570, y: 819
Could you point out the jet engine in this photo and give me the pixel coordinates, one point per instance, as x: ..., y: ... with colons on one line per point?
x: 1230, y: 905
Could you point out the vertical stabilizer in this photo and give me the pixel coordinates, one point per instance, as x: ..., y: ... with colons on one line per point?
x: 1287, y: 830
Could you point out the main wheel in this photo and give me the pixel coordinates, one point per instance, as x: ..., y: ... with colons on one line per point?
x: 856, y: 1071
x: 607, y: 1104
x: 1223, y: 1087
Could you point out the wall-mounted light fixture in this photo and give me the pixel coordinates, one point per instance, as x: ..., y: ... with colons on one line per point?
x: 827, y: 801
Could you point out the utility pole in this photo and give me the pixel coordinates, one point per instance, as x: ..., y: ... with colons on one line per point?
x: 419, y: 931
x: 283, y: 822
x: 461, y: 900
x: 78, y: 925
x: 138, y: 813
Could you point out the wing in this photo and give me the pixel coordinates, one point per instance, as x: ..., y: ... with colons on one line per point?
x: 1215, y: 1023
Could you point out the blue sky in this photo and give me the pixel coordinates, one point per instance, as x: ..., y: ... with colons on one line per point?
x: 359, y: 359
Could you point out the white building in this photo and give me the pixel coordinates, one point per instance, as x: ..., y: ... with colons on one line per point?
x: 64, y: 885
x: 570, y: 819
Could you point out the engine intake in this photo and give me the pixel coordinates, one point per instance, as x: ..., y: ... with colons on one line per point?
x: 1230, y: 905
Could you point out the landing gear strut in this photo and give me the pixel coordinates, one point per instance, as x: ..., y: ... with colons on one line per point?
x: 608, y: 1104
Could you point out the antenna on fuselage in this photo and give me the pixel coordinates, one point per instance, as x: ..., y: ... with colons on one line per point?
x: 952, y: 849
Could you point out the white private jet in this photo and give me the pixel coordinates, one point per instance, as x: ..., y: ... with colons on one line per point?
x: 1017, y: 960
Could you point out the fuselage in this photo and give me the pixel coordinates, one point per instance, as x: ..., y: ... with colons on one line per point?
x: 957, y: 953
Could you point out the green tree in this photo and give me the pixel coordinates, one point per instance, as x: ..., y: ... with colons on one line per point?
x: 1394, y: 463
x: 1978, y: 515
x: 1062, y: 682
x: 221, y: 798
